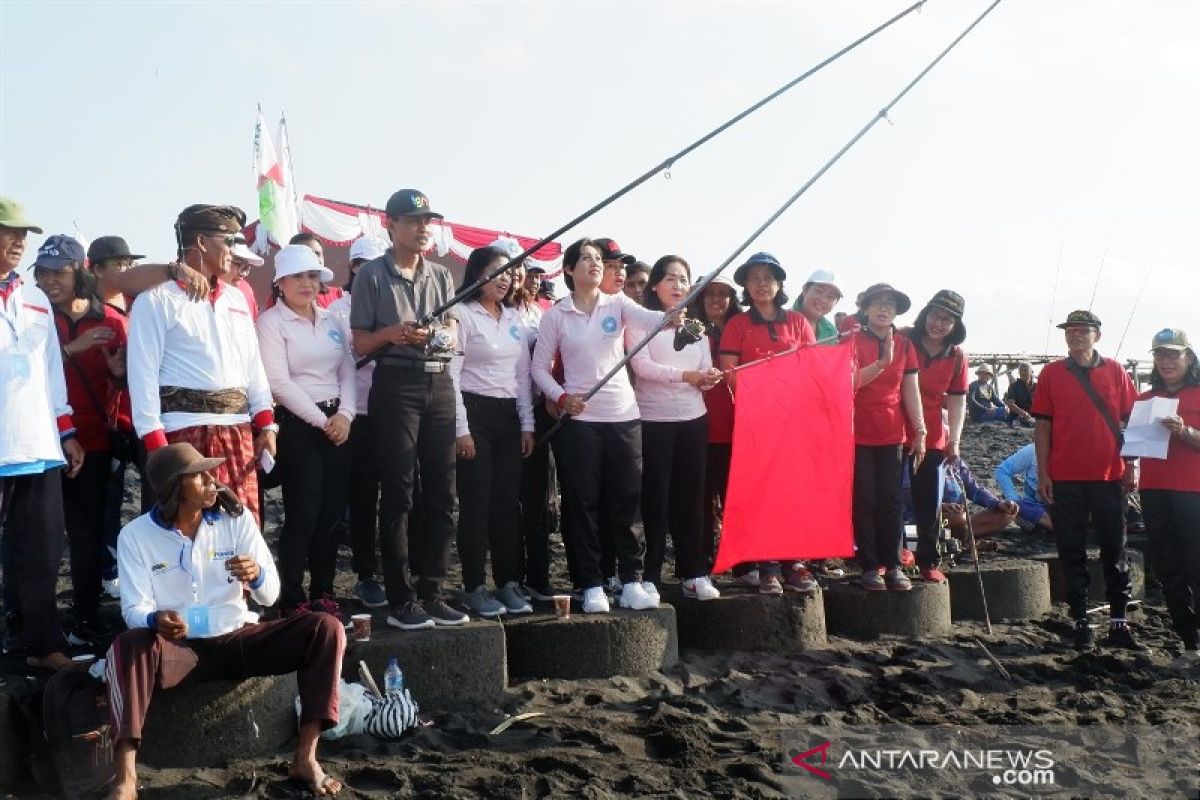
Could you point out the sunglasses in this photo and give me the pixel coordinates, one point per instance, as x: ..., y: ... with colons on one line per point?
x: 228, y: 238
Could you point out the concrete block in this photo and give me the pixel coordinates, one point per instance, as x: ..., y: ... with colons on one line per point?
x: 1058, y: 587
x: 851, y: 610
x: 621, y: 642
x: 1015, y: 589
x: 791, y: 623
x: 214, y: 722
x: 444, y: 667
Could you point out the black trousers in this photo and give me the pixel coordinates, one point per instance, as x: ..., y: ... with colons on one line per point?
x: 315, y: 474
x: 537, y: 497
x: 84, y: 499
x: 877, y: 513
x: 925, y: 506
x: 1101, y: 501
x: 364, y: 499
x: 489, y: 486
x: 413, y: 417
x: 716, y: 479
x: 31, y: 512
x: 600, y: 466
x: 674, y: 460
x: 1173, y: 524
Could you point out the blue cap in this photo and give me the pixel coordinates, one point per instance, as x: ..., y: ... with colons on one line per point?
x: 59, y: 252
x: 739, y: 277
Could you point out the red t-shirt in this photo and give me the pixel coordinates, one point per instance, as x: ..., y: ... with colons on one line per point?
x: 878, y: 406
x: 939, y: 376
x: 92, y: 413
x: 1082, y: 448
x: 719, y: 403
x: 750, y: 337
x: 1180, y: 470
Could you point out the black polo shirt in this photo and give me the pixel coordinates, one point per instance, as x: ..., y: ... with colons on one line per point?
x: 383, y: 297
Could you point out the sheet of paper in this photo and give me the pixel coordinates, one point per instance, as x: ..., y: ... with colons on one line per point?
x: 1145, y: 435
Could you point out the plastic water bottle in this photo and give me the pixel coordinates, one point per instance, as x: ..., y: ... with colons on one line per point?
x: 393, y: 678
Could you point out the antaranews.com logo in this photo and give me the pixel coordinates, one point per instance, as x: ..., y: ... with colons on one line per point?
x: 992, y: 761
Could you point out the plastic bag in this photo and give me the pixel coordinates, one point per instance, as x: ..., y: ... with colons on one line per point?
x: 354, y: 704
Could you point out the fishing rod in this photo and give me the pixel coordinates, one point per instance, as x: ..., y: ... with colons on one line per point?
x: 1136, y: 302
x: 699, y: 288
x: 647, y: 175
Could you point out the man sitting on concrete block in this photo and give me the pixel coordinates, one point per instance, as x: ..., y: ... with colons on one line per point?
x: 183, y: 569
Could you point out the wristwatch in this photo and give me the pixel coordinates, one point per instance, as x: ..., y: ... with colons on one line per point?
x: 272, y: 427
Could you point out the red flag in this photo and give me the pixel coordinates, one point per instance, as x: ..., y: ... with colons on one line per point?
x: 791, y: 480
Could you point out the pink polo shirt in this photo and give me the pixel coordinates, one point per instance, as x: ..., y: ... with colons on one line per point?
x: 589, y: 345
x: 307, y: 363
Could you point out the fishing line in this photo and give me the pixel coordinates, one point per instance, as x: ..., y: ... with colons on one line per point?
x: 1136, y: 301
x: 699, y: 288
x: 665, y: 165
x: 1100, y: 272
x: 1054, y: 294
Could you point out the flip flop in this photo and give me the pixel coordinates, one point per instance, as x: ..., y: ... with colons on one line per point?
x: 317, y: 788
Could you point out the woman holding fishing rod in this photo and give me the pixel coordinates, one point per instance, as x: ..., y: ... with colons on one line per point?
x: 601, y: 439
x: 886, y: 390
x: 765, y: 329
x: 942, y: 378
x: 671, y: 383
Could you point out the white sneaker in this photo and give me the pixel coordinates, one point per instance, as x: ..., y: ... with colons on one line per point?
x: 113, y: 588
x: 651, y: 590
x: 635, y: 597
x: 700, y: 588
x: 595, y: 601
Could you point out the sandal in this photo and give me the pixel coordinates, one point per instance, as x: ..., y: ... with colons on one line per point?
x: 318, y: 788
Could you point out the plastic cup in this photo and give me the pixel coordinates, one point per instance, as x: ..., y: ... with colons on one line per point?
x: 562, y: 606
x: 362, y: 627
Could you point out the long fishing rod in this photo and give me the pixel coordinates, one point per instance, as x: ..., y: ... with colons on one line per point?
x: 1100, y: 272
x: 1136, y: 301
x: 1054, y: 294
x: 699, y: 288
x: 645, y: 176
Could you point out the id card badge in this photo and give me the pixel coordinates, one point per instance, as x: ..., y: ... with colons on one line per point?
x: 197, y: 621
x: 14, y: 366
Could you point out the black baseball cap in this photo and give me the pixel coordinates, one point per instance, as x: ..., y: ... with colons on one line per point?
x: 410, y: 203
x: 110, y: 247
x: 612, y: 251
x: 1080, y: 318
x: 950, y: 302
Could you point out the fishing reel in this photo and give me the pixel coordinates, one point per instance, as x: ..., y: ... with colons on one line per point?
x: 441, y: 341
x: 689, y: 331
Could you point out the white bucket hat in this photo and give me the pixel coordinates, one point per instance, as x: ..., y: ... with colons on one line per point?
x: 296, y: 258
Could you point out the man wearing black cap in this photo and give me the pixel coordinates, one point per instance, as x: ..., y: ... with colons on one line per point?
x: 194, y: 370
x: 1079, y: 406
x: 36, y: 440
x: 411, y: 406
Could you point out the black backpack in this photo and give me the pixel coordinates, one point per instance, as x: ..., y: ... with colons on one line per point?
x: 77, y: 735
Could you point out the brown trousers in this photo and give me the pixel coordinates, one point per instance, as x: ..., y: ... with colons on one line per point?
x: 311, y: 645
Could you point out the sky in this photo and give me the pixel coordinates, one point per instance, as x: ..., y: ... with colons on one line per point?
x: 1051, y: 162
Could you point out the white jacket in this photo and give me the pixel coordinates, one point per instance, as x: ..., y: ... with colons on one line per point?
x: 31, y: 380
x: 161, y: 569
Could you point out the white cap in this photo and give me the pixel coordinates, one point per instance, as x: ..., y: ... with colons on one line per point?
x: 367, y: 248
x: 508, y: 245
x: 297, y: 258
x: 722, y: 279
x: 825, y: 276
x: 240, y: 250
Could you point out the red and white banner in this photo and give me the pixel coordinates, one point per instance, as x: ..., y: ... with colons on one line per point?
x: 340, y: 224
